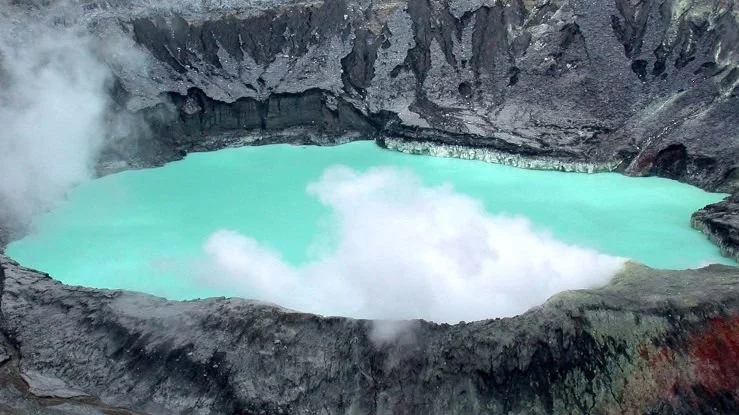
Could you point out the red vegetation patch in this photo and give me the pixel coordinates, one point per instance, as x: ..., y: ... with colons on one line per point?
x: 716, y: 354
x: 708, y: 361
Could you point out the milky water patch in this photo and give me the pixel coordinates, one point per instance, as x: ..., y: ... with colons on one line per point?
x: 360, y: 231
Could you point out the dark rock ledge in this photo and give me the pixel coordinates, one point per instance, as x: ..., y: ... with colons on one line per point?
x: 720, y: 221
x: 649, y: 342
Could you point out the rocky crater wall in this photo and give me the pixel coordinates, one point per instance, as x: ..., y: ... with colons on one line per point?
x: 650, y: 342
x: 644, y: 88
x: 650, y: 85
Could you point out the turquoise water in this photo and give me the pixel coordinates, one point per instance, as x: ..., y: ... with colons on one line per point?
x: 144, y: 230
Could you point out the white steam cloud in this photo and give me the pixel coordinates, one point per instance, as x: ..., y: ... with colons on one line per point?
x: 51, y: 113
x: 53, y: 105
x: 401, y: 250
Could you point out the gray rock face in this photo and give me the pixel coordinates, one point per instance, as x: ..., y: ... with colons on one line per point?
x: 72, y: 409
x: 650, y: 342
x: 720, y: 222
x: 650, y: 86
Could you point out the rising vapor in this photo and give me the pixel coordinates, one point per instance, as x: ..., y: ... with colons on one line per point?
x: 52, y: 111
x: 401, y: 250
x: 55, y: 107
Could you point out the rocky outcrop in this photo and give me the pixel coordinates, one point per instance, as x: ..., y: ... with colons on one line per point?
x: 720, y: 222
x: 649, y: 342
x: 648, y: 86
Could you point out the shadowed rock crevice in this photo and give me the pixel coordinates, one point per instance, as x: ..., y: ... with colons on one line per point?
x: 630, y: 26
x: 491, y: 42
x: 671, y: 162
x: 358, y: 67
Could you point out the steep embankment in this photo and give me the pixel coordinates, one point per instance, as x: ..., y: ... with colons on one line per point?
x: 644, y: 87
x: 650, y: 86
x: 650, y: 342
